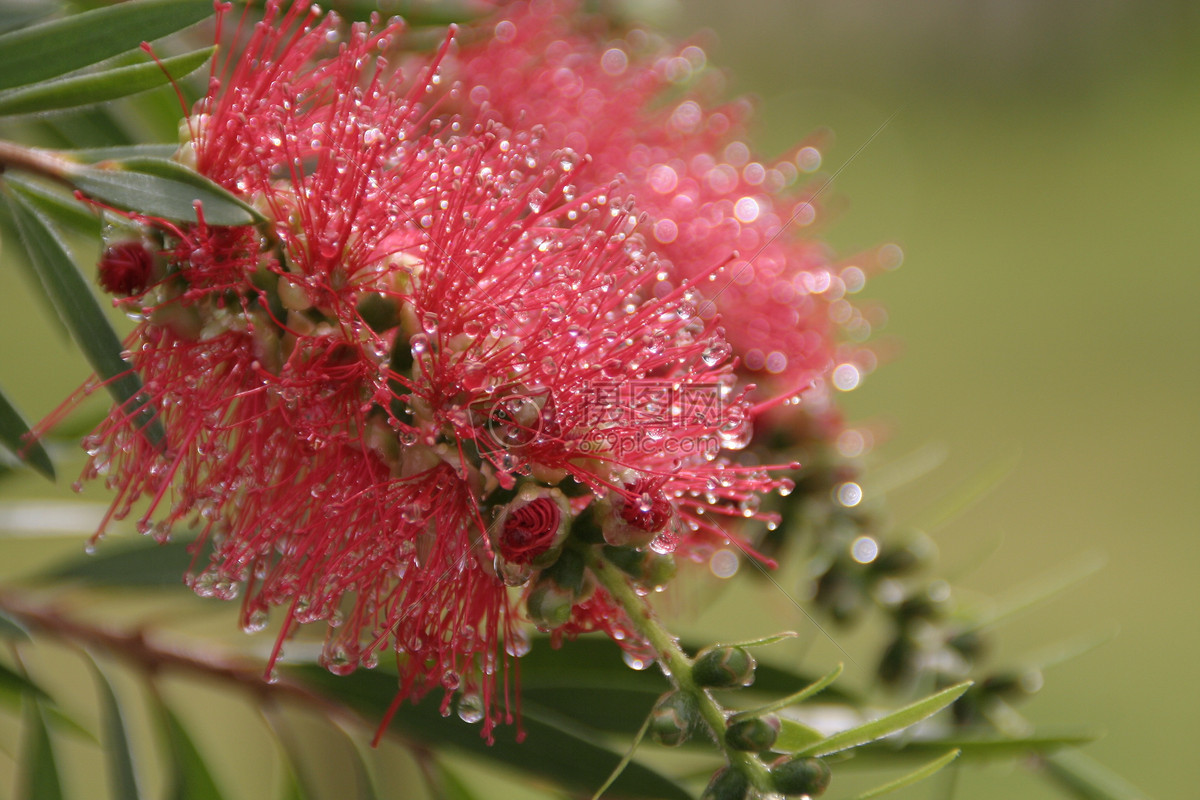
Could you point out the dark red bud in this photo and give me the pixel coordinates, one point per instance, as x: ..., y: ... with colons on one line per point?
x: 126, y: 269
x: 646, y: 507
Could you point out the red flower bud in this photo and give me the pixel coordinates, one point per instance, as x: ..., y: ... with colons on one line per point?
x: 126, y: 269
x: 529, y: 531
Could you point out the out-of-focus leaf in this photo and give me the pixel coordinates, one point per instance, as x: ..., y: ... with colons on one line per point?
x: 549, y: 750
x: 795, y: 736
x: 87, y: 126
x: 14, y: 17
x: 15, y: 686
x: 11, y: 629
x: 121, y: 774
x: 37, y: 776
x: 190, y: 776
x: 452, y: 787
x: 917, y: 775
x: 1088, y: 780
x: 1035, y: 593
x: 99, y: 87
x: 13, y: 429
x: 162, y: 188
x: 78, y: 309
x: 143, y: 563
x: 967, y: 495
x: 64, y: 45
x: 896, y: 721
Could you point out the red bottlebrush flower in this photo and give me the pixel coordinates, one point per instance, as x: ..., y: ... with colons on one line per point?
x: 709, y: 200
x: 369, y: 400
x: 126, y: 269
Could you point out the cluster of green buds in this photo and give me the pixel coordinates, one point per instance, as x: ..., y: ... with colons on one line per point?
x: 860, y: 563
x: 747, y: 737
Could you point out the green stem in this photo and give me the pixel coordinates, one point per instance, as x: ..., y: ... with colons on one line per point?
x: 678, y: 664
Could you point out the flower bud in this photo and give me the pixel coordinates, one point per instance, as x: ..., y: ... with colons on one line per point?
x: 724, y: 667
x: 634, y: 516
x: 531, y: 529
x: 727, y: 784
x: 800, y: 776
x: 754, y: 735
x: 674, y: 719
x: 126, y: 269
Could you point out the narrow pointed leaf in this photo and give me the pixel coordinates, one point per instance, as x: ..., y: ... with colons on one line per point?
x: 190, y: 776
x: 77, y: 307
x: 795, y: 736
x: 158, y: 187
x: 119, y: 757
x: 762, y: 642
x: 917, y: 775
x: 99, y: 87
x: 889, y: 724
x: 13, y: 430
x: 968, y: 494
x: 1087, y: 779
x: 37, y: 777
x: 64, y: 45
x: 792, y: 699
x: 977, y: 747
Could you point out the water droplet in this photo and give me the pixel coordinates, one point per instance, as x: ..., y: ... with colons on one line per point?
x: 470, y: 707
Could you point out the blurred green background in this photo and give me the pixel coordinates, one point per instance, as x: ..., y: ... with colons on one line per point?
x: 1043, y: 178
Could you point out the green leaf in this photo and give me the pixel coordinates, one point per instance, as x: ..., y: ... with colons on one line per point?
x: 190, y: 777
x: 121, y: 774
x: 795, y: 736
x: 99, y: 87
x: 159, y: 187
x: 14, y: 686
x: 143, y: 563
x: 122, y: 152
x: 896, y: 721
x: 978, y: 747
x: 761, y: 642
x: 77, y: 307
x: 64, y: 45
x: 13, y: 430
x: 932, y: 768
x: 61, y: 208
x: 792, y: 699
x: 558, y: 753
x: 1088, y: 780
x: 37, y: 777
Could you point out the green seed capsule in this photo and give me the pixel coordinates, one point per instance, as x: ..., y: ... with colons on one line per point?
x: 724, y: 667
x: 800, y: 776
x: 674, y: 719
x: 727, y: 784
x: 753, y: 735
